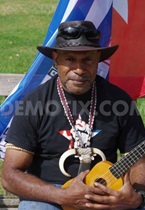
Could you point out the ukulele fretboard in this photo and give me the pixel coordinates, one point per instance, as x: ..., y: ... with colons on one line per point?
x: 121, y: 166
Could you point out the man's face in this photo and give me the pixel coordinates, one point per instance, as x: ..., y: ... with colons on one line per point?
x: 76, y: 70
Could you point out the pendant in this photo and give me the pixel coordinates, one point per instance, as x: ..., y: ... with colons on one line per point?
x: 86, y: 155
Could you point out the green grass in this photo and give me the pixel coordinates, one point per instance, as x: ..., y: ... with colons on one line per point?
x: 23, y: 26
x: 141, y: 108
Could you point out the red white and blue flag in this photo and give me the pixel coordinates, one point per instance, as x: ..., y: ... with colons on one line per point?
x: 127, y: 68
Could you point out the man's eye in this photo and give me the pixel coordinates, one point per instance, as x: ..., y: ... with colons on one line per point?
x: 70, y: 59
x: 88, y: 60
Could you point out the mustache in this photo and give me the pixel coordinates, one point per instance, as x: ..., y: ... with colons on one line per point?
x: 77, y: 77
x: 65, y: 83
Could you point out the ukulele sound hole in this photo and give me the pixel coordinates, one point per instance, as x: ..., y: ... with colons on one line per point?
x: 101, y: 181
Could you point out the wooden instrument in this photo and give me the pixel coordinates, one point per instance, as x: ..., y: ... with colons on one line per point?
x: 110, y: 174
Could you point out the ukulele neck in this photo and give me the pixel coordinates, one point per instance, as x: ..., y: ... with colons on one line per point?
x: 121, y: 166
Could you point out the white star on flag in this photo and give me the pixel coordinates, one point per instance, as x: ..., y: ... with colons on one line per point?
x: 122, y: 8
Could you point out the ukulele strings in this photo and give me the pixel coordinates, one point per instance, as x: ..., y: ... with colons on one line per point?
x: 110, y: 178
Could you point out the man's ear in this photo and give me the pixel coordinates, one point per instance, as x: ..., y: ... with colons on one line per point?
x: 54, y: 56
x: 99, y: 55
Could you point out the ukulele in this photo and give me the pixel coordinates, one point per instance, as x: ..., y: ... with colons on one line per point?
x: 110, y: 174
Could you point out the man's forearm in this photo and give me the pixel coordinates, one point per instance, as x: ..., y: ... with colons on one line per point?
x: 30, y: 187
x: 137, y: 175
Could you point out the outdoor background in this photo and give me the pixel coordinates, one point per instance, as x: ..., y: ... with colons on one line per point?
x: 23, y: 26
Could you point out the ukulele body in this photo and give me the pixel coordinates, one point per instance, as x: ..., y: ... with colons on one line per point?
x: 99, y: 173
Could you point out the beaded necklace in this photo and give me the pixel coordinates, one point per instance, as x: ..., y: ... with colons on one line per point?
x: 78, y: 141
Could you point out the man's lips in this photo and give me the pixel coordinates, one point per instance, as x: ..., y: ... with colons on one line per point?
x: 79, y: 81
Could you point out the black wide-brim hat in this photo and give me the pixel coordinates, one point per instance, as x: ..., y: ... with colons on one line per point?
x: 78, y: 36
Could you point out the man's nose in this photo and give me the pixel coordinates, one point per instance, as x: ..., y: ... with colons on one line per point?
x: 79, y: 68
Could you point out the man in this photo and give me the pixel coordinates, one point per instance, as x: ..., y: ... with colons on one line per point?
x: 70, y: 123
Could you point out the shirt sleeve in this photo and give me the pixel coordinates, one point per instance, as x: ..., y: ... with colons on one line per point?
x: 23, y: 129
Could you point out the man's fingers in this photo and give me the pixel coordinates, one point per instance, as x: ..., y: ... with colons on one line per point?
x: 82, y: 175
x: 126, y: 177
x: 103, y: 189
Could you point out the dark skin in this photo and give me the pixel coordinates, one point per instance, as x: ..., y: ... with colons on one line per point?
x: 77, y: 71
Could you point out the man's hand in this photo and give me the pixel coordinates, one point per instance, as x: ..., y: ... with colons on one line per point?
x: 125, y: 198
x: 74, y: 194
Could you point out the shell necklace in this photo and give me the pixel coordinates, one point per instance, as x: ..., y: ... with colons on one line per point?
x: 78, y: 141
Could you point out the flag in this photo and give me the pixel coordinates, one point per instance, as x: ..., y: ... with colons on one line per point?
x: 127, y: 69
x: 97, y: 11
